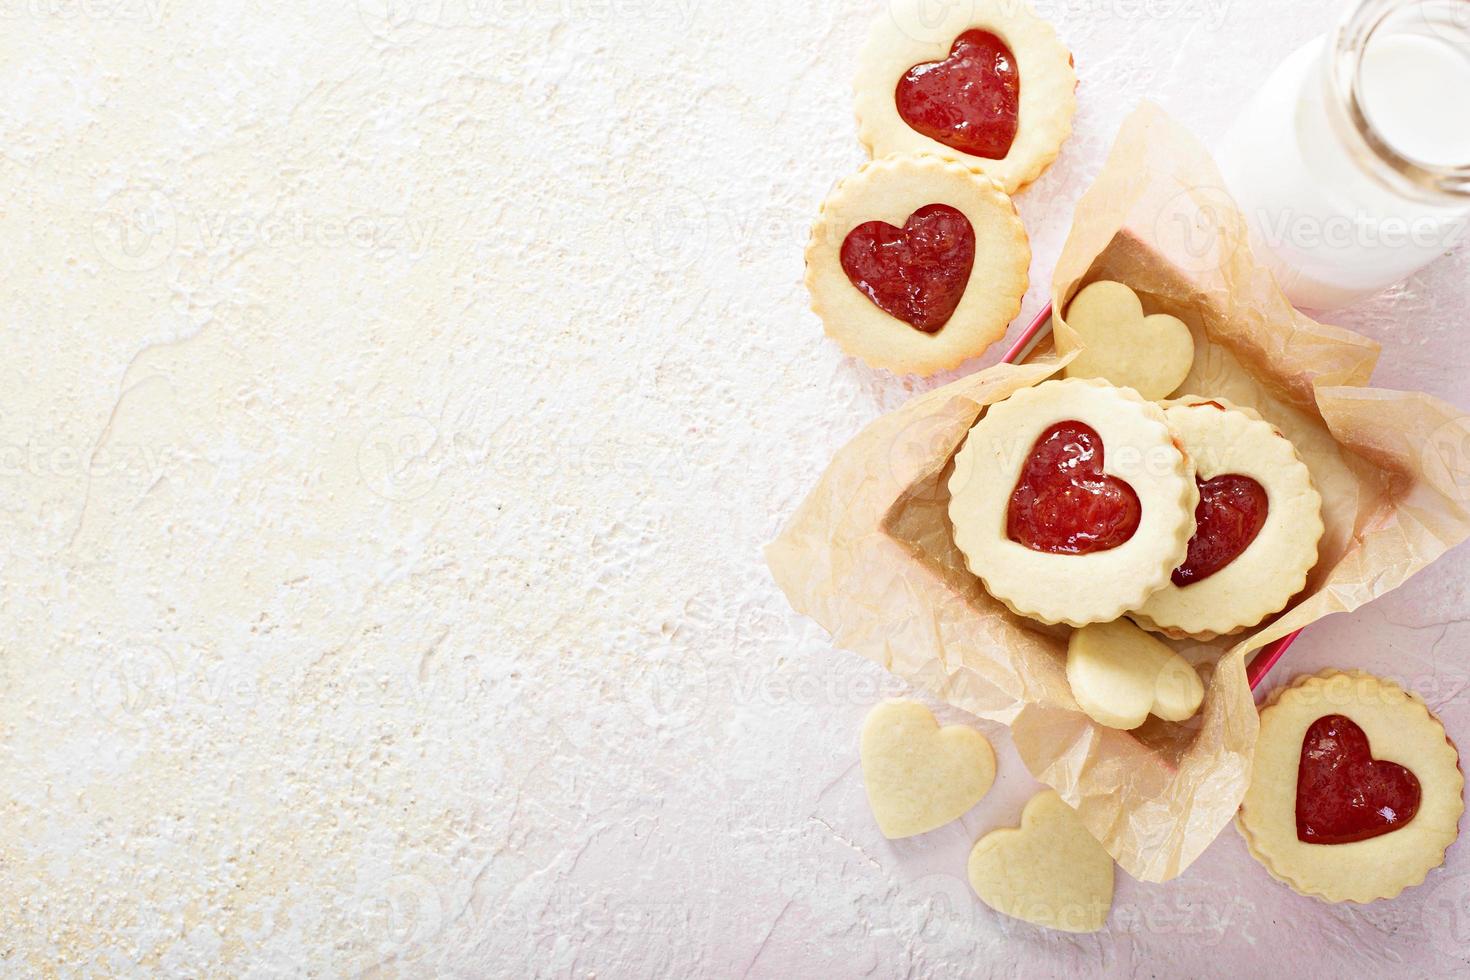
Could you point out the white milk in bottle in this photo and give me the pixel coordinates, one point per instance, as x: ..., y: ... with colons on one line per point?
x: 1352, y: 162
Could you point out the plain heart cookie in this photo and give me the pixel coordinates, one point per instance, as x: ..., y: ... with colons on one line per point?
x: 917, y: 263
x: 1120, y: 675
x: 1116, y: 342
x: 1049, y: 871
x: 920, y: 776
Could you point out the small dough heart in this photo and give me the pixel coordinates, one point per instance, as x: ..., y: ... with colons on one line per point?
x: 1150, y: 354
x: 1120, y: 675
x: 1049, y: 871
x: 920, y: 776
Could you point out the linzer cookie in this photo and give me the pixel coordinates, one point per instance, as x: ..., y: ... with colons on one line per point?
x: 1258, y: 522
x: 1071, y: 502
x: 985, y: 82
x: 917, y: 263
x: 1355, y: 792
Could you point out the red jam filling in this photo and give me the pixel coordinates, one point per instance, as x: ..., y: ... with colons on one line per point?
x: 1343, y: 794
x: 916, y: 273
x: 969, y: 101
x: 1231, y: 511
x: 1063, y: 503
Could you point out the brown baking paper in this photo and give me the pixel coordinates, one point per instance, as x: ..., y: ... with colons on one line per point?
x: 869, y: 553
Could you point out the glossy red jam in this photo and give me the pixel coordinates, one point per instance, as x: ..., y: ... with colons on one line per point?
x: 1343, y: 794
x: 1064, y: 504
x: 969, y: 101
x: 916, y: 273
x: 1230, y: 513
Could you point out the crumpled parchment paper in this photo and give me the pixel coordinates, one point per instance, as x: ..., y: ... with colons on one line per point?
x: 869, y: 553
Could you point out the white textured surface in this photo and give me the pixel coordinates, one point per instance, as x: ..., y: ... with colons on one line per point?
x: 381, y: 588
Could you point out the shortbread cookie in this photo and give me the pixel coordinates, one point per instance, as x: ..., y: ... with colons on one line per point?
x: 1355, y: 790
x: 920, y: 776
x: 1150, y: 354
x: 1120, y: 675
x: 1049, y: 871
x: 1257, y: 524
x: 917, y: 263
x: 985, y: 82
x: 1071, y: 502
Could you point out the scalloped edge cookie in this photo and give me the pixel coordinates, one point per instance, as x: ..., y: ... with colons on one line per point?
x: 1223, y: 438
x: 891, y: 190
x: 1401, y: 729
x: 905, y: 35
x: 1137, y: 447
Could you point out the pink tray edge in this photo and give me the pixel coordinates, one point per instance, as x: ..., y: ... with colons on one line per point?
x: 1267, y: 656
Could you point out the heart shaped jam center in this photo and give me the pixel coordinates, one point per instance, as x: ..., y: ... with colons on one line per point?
x: 1064, y: 504
x: 1231, y: 510
x: 916, y: 273
x: 1343, y: 794
x: 969, y: 101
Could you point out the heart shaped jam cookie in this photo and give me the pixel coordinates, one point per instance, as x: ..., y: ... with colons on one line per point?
x: 1355, y: 790
x: 1071, y: 502
x: 984, y: 81
x: 1064, y: 504
x: 1343, y: 794
x: 916, y: 273
x: 1232, y: 510
x: 917, y: 263
x: 969, y: 101
x: 1256, y: 525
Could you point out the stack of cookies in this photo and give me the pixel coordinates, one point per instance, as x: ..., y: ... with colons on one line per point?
x: 919, y: 260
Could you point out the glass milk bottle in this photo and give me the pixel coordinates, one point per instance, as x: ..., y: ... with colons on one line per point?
x: 1352, y: 162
